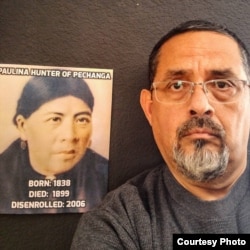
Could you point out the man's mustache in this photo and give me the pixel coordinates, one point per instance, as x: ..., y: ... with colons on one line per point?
x: 200, y: 122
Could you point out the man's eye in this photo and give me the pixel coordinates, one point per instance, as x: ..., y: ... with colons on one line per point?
x: 223, y: 84
x: 178, y: 85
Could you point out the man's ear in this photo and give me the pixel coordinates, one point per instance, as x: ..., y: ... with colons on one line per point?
x: 146, y: 104
x: 21, y: 126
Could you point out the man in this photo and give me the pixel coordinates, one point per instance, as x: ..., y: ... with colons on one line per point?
x: 198, y: 107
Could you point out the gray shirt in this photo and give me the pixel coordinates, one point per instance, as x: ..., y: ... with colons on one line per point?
x: 145, y: 212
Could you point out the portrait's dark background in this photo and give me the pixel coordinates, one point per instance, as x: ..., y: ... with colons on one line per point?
x: 115, y: 34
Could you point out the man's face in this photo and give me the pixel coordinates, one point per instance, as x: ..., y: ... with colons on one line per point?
x: 57, y: 134
x: 199, y: 57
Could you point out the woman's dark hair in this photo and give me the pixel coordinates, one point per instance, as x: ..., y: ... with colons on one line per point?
x: 195, y: 25
x: 39, y: 90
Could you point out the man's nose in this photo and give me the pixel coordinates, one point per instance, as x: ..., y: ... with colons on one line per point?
x: 199, y: 103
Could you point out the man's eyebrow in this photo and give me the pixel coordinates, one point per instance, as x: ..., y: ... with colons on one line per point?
x: 175, y: 74
x: 224, y: 73
x: 214, y: 73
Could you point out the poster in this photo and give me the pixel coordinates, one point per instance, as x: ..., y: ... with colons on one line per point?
x: 54, y: 138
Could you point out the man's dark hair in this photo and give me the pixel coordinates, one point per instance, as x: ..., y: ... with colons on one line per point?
x: 39, y: 90
x: 191, y: 26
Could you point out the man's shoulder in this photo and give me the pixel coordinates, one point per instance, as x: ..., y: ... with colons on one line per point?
x: 147, y: 178
x: 136, y: 190
x: 124, y: 215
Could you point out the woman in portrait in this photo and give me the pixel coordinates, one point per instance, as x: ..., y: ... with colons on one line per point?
x: 51, y: 167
